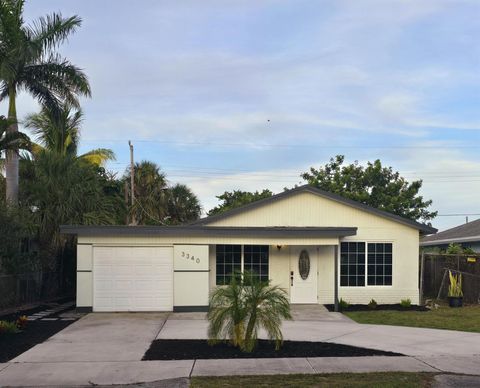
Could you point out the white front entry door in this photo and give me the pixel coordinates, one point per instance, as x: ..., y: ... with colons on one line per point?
x: 303, y: 275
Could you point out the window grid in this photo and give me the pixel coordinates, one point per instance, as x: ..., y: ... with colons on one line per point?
x: 255, y: 260
x: 379, y: 264
x: 352, y: 264
x: 229, y: 260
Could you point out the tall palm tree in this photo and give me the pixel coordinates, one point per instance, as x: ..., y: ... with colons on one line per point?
x: 59, y: 132
x: 29, y: 62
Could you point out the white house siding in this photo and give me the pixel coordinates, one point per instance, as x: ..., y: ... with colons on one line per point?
x: 307, y: 209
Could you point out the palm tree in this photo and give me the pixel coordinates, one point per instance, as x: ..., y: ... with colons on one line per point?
x: 29, y: 62
x: 227, y: 313
x: 13, y: 141
x: 267, y: 306
x: 150, y: 206
x: 238, y: 310
x: 183, y: 205
x: 59, y: 132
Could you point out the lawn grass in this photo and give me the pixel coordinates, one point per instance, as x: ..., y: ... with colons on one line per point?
x: 466, y: 318
x: 383, y: 380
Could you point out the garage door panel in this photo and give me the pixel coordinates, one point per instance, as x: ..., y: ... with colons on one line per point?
x: 133, y: 279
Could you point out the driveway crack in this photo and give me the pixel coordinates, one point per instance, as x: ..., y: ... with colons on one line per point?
x: 426, y: 363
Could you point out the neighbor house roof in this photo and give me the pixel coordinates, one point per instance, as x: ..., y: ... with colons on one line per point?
x: 463, y: 233
x: 321, y: 193
x: 207, y: 231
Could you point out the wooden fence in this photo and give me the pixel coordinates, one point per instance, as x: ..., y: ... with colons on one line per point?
x: 434, y: 271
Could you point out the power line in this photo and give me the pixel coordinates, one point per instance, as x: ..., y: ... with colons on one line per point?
x: 273, y: 145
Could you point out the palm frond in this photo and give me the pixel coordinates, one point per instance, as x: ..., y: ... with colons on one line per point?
x: 50, y: 31
x: 98, y: 156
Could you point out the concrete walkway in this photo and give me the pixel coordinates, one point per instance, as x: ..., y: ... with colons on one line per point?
x: 107, y: 349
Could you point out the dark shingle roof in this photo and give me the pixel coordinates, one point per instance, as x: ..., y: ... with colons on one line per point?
x: 322, y: 193
x: 463, y: 233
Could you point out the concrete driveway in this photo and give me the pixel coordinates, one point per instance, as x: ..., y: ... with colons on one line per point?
x: 107, y: 349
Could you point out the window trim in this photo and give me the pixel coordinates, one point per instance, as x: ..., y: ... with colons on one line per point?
x: 366, y: 264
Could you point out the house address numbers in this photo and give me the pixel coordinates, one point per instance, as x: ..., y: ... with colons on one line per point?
x: 187, y: 256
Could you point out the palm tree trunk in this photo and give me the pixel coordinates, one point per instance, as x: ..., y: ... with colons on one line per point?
x: 11, y: 162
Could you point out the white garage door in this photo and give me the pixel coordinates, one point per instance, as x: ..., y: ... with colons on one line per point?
x: 133, y: 279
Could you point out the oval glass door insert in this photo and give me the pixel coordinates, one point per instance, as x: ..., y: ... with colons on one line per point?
x: 304, y: 264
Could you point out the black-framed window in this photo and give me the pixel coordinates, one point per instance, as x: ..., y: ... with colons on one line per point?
x: 352, y: 264
x: 229, y: 261
x: 255, y: 260
x: 379, y: 264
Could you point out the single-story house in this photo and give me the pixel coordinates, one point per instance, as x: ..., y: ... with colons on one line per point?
x: 466, y: 235
x: 317, y: 246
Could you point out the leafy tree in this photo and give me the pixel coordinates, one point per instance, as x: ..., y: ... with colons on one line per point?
x: 17, y: 228
x: 29, y: 62
x: 64, y: 190
x: 59, y: 132
x: 240, y: 309
x: 233, y: 199
x: 373, y: 185
x: 183, y: 205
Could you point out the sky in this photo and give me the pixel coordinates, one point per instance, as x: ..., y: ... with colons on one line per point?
x: 248, y: 95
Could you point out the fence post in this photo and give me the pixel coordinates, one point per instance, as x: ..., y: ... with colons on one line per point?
x: 441, y: 285
x: 422, y: 265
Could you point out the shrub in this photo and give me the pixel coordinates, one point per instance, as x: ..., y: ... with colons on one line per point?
x: 405, y: 303
x: 455, y: 287
x: 372, y: 304
x: 240, y: 309
x: 8, y: 327
x: 22, y: 322
x: 343, y: 304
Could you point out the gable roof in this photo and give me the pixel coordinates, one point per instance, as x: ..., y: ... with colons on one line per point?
x: 462, y: 233
x: 321, y: 193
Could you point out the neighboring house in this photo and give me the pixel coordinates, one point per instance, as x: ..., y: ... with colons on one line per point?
x: 467, y: 235
x: 308, y: 241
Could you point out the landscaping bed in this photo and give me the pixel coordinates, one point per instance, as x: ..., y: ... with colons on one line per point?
x: 380, y: 307
x: 200, y: 349
x: 12, y: 345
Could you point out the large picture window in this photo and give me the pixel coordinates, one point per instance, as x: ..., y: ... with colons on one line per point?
x: 352, y: 264
x: 379, y: 264
x: 229, y: 261
x: 255, y: 260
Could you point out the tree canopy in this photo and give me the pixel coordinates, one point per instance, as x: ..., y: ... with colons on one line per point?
x: 374, y: 185
x: 233, y: 199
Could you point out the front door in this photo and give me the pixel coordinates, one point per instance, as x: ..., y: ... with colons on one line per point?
x: 303, y: 275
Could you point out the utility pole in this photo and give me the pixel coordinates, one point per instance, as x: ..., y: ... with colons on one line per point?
x: 132, y: 181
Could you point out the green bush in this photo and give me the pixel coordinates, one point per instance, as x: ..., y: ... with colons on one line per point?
x: 406, y: 303
x: 343, y: 304
x: 8, y: 327
x: 372, y: 304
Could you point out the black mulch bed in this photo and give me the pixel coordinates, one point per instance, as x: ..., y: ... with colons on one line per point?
x: 12, y: 345
x: 200, y: 349
x: 391, y: 307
